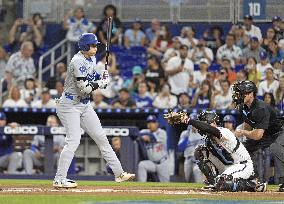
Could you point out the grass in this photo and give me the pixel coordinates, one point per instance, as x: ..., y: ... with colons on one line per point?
x: 76, y: 198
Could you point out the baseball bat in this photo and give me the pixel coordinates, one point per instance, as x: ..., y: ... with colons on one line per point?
x: 109, y: 29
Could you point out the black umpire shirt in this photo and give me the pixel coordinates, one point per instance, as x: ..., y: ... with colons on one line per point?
x: 261, y: 116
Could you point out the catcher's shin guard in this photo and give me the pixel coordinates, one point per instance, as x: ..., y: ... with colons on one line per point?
x: 206, y: 166
x: 228, y: 183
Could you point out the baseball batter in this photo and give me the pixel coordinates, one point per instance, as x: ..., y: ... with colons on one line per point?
x: 74, y: 111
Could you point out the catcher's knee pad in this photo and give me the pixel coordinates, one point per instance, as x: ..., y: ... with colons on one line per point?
x: 201, y: 153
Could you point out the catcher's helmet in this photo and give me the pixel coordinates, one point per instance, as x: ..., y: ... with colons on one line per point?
x: 229, y: 118
x: 241, y: 88
x: 86, y: 40
x: 209, y: 117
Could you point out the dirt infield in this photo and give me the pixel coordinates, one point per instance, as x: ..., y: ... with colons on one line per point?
x: 139, y: 190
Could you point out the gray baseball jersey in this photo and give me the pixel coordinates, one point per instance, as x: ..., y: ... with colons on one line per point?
x: 80, y: 67
x: 156, y: 151
x: 75, y: 112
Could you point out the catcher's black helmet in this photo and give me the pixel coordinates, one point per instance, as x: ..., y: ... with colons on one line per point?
x: 209, y: 117
x: 241, y: 88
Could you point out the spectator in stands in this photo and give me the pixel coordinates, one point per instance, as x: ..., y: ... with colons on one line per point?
x: 143, y: 98
x: 98, y: 100
x: 20, y: 65
x: 165, y: 99
x: 153, y: 140
x: 203, y: 96
x: 280, y: 94
x: 238, y: 31
x: 76, y: 24
x: 242, y: 75
x: 263, y: 64
x: 59, y: 88
x: 269, y: 99
x: 110, y: 11
x: 154, y: 73
x: 201, y: 51
x: 253, y: 74
x: 124, y: 100
x: 250, y: 29
x: 223, y: 100
x: 187, y: 37
x: 34, y: 156
x: 112, y: 65
x: 222, y: 75
x: 213, y: 38
x: 172, y: 51
x: 226, y: 63
x: 161, y: 42
x: 253, y: 50
x: 278, y: 69
x: 178, y: 70
x: 274, y: 52
x: 200, y: 75
x: 184, y: 101
x: 60, y: 75
x: 134, y: 36
x: 270, y: 36
x: 269, y: 85
x: 45, y: 102
x: 30, y: 92
x: 151, y: 31
x: 9, y: 159
x: 34, y: 32
x: 138, y: 77
x: 3, y: 62
x: 230, y: 51
x: 14, y: 99
x: 277, y: 27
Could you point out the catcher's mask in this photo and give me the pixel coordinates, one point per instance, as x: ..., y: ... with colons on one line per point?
x: 240, y: 89
x: 208, y: 117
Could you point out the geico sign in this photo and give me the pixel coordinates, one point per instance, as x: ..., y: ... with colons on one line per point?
x: 61, y: 131
x: 21, y: 130
x: 117, y: 131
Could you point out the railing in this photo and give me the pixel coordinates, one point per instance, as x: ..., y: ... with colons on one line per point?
x: 1, y: 91
x: 54, y: 56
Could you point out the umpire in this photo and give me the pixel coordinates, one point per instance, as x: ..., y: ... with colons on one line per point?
x: 262, y: 127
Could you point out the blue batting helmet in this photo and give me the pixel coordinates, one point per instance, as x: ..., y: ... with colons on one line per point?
x: 229, y: 118
x: 86, y: 40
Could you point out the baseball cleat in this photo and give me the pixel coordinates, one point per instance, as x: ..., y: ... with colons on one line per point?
x: 125, y: 177
x: 261, y: 187
x: 209, y: 187
x: 64, y: 183
x: 281, y: 187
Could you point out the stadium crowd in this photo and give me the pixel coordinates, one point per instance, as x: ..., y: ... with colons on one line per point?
x: 184, y: 71
x: 181, y: 71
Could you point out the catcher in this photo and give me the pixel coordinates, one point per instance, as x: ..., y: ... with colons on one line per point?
x: 223, y: 159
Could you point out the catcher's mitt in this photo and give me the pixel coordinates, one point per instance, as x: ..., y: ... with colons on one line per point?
x: 176, y: 117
